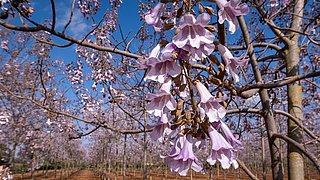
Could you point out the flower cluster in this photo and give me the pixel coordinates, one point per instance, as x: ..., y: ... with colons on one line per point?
x: 153, y: 17
x: 184, y: 120
x: 193, y: 37
x: 229, y: 10
x: 160, y: 18
x: 231, y: 63
x: 4, y: 45
x: 89, y: 7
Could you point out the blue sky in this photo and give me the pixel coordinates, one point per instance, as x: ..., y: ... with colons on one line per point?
x: 128, y: 19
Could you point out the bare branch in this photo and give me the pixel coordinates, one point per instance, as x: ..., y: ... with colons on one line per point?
x: 313, y: 159
x: 247, y: 170
x: 53, y: 8
x: 70, y: 17
x: 298, y: 122
x: 281, y: 82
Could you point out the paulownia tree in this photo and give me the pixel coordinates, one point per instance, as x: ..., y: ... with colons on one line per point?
x: 189, y: 67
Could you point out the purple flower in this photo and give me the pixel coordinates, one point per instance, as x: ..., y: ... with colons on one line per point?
x: 153, y: 17
x: 209, y: 105
x: 159, y: 69
x: 151, y: 60
x: 161, y: 130
x: 193, y: 37
x: 4, y: 45
x: 235, y: 143
x: 161, y: 100
x: 182, y: 87
x: 229, y: 10
x: 181, y: 158
x: 273, y: 3
x: 221, y: 150
x: 231, y: 63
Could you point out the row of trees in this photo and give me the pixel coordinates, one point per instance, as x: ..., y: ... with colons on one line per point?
x: 193, y: 71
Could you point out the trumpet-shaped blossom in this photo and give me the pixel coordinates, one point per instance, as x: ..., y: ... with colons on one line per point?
x: 161, y: 130
x: 231, y: 63
x: 234, y: 142
x: 193, y: 37
x: 209, y: 105
x: 151, y: 60
x: 221, y: 150
x: 161, y: 99
x: 153, y: 17
x: 182, y: 158
x: 229, y: 10
x: 159, y: 69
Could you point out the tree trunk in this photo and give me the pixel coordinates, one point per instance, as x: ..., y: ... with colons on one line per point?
x: 145, y: 171
x: 263, y: 149
x: 12, y: 154
x: 295, y: 158
x: 116, y: 159
x: 124, y: 157
x: 274, y: 144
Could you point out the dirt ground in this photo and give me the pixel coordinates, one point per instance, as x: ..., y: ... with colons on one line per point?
x: 91, y: 174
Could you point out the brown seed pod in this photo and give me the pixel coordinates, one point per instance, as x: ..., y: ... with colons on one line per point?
x: 203, y: 61
x: 211, y: 28
x: 188, y: 115
x: 214, y: 59
x: 179, y: 121
x: 180, y: 12
x: 182, y: 87
x: 200, y: 9
x: 177, y: 31
x: 180, y: 104
x: 209, y: 10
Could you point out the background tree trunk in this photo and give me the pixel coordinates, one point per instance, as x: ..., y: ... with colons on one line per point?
x: 295, y: 158
x: 274, y: 144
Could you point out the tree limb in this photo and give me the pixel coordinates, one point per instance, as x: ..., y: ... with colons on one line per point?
x: 313, y: 159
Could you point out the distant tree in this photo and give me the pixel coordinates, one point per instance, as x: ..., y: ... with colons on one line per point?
x: 193, y: 70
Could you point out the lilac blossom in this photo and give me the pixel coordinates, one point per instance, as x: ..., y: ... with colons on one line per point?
x: 161, y: 130
x: 193, y: 37
x: 89, y: 7
x: 229, y: 10
x: 209, y: 105
x: 222, y: 150
x: 182, y: 158
x: 151, y: 60
x: 4, y: 45
x: 2, y: 3
x: 183, y: 81
x: 231, y: 63
x: 160, y: 100
x: 160, y: 69
x: 153, y: 17
x: 273, y: 3
x: 235, y: 143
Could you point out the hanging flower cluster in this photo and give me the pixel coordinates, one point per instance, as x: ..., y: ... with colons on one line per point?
x: 185, y: 120
x: 229, y: 10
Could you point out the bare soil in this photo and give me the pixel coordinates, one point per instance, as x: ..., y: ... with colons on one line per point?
x: 91, y: 174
